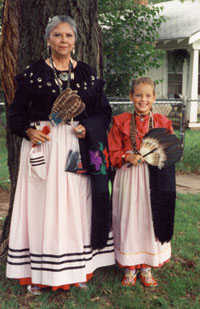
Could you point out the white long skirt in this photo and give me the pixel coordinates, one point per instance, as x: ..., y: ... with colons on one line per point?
x: 51, y: 221
x: 134, y: 238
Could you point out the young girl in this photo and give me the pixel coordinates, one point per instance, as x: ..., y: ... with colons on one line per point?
x: 143, y: 195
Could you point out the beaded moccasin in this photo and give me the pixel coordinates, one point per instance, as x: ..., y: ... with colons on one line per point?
x: 147, y: 279
x: 129, y: 278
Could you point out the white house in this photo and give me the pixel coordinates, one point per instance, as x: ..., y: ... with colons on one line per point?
x: 179, y: 37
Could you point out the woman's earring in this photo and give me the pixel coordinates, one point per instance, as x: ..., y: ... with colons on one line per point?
x: 73, y: 51
x: 48, y: 50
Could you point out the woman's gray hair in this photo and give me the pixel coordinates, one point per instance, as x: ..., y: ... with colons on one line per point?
x: 54, y: 21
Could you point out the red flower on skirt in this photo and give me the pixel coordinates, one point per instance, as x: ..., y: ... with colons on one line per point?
x: 105, y: 152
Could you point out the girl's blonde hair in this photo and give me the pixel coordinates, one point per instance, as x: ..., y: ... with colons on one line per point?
x: 142, y: 80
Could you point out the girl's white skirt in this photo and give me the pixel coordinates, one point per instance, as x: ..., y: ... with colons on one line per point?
x: 135, y: 243
x: 51, y: 220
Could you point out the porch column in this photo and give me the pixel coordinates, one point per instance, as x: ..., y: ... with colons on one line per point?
x: 185, y: 79
x: 165, y: 76
x: 193, y: 93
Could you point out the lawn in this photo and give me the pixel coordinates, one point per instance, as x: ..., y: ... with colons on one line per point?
x: 178, y: 281
x: 191, y: 158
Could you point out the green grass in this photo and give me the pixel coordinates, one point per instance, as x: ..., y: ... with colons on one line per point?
x: 4, y: 174
x: 178, y: 281
x: 191, y: 159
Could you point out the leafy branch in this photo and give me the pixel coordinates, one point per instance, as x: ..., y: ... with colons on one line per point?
x: 129, y: 36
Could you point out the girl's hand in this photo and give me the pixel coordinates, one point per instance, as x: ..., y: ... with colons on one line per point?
x: 80, y: 131
x: 36, y: 136
x: 134, y: 159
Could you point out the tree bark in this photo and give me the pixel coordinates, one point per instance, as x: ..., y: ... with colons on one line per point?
x: 22, y: 42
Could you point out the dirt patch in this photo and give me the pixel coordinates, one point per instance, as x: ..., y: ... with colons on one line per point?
x: 4, y: 202
x: 188, y: 183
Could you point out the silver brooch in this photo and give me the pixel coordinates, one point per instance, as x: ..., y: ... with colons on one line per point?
x: 40, y: 86
x: 49, y: 84
x: 31, y: 81
x: 92, y: 77
x: 78, y: 85
x: 39, y: 79
x: 53, y: 90
x: 31, y: 74
x: 64, y: 76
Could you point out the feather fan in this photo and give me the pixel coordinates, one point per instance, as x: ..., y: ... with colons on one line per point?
x: 67, y: 106
x: 161, y: 148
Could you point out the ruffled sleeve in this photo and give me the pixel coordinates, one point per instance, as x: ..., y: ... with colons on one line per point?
x: 115, y: 145
x: 160, y: 121
x: 116, y: 138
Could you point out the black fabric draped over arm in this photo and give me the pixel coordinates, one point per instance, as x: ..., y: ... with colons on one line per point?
x: 163, y: 198
x: 94, y: 153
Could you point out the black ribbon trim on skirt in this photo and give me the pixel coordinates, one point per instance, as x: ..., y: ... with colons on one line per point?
x: 31, y: 262
x: 54, y: 255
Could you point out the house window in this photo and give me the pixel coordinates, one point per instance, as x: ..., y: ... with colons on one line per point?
x: 175, y: 72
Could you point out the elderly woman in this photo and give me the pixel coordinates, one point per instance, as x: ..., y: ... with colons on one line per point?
x: 60, y: 229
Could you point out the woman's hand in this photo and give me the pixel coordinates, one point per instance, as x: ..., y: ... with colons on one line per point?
x: 134, y: 159
x: 80, y: 131
x: 36, y: 136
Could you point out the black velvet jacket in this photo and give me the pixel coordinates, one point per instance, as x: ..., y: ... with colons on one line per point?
x: 35, y: 95
x: 37, y: 91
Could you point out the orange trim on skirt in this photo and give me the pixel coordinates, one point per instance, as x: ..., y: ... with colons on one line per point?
x: 143, y: 266
x: 27, y: 281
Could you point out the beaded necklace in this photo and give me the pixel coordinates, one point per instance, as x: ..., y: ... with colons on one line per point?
x: 133, y: 131
x: 63, y: 76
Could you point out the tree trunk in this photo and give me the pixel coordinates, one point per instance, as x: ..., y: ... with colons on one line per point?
x: 22, y: 42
